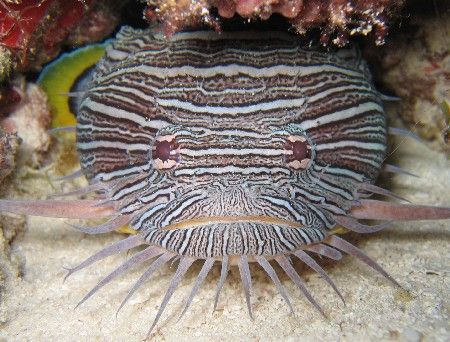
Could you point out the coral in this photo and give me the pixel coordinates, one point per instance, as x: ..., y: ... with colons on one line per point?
x: 10, y: 96
x: 416, y: 67
x: 337, y: 19
x: 98, y: 23
x: 8, y: 149
x: 6, y: 64
x: 30, y: 120
x: 35, y: 30
x: 175, y: 15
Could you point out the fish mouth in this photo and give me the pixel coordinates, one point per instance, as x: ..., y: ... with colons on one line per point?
x: 207, y: 220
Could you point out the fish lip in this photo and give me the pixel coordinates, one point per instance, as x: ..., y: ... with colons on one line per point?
x: 201, y: 221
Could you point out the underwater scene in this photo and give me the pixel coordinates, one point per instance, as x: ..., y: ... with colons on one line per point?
x: 235, y: 170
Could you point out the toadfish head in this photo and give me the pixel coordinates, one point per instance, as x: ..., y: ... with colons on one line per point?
x: 272, y: 152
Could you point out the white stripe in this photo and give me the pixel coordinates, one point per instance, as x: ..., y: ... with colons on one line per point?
x: 150, y: 212
x: 210, y: 240
x: 352, y: 89
x: 160, y: 192
x: 112, y: 144
x: 341, y: 115
x: 333, y: 189
x: 230, y: 169
x: 319, y: 213
x: 232, y: 152
x: 364, y: 160
x: 184, y: 204
x: 122, y: 114
x: 281, y: 237
x: 185, y: 242
x: 132, y: 87
x: 379, y: 130
x: 308, y: 195
x: 351, y: 143
x: 305, y: 237
x: 128, y: 189
x: 188, y: 50
x: 105, y: 176
x: 205, y: 132
x: 343, y: 172
x: 125, y: 99
x: 89, y: 129
x: 285, y: 204
x: 238, y: 110
x: 232, y: 70
x: 116, y: 55
x: 167, y: 238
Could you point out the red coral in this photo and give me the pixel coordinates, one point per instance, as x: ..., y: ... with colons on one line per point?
x: 34, y: 30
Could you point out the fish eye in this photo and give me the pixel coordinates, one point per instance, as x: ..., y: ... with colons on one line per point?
x: 165, y: 152
x: 297, y: 152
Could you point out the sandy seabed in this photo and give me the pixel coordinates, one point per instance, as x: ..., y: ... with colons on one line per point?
x: 39, y: 306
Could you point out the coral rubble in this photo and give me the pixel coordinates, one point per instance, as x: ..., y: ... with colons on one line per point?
x: 30, y: 119
x: 337, y: 19
x: 8, y: 149
x: 415, y: 65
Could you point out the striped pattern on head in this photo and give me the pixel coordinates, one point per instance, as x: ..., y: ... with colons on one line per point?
x: 232, y: 144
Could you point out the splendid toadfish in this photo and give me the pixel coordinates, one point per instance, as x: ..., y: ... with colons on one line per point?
x: 228, y: 148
